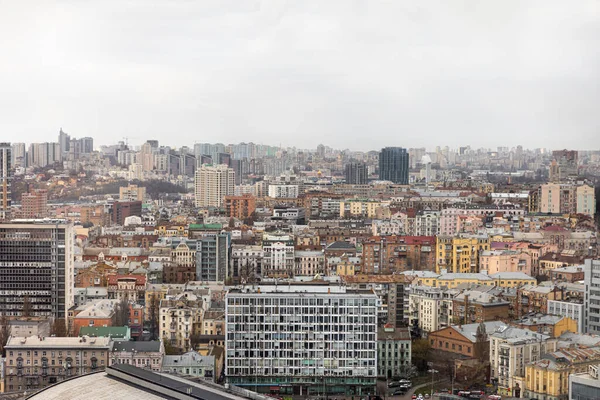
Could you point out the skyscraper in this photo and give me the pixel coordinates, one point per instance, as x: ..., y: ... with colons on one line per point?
x: 213, y: 183
x: 356, y: 173
x: 393, y: 165
x: 36, y: 268
x: 5, y: 177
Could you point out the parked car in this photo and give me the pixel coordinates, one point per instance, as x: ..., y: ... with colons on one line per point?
x: 393, y: 384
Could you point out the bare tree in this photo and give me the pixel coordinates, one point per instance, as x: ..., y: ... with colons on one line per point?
x: 26, y: 306
x: 482, y: 345
x: 153, y: 311
x: 121, y: 316
x: 4, y: 333
x: 59, y: 328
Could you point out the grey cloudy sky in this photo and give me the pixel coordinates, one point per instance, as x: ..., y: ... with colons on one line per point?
x: 350, y: 74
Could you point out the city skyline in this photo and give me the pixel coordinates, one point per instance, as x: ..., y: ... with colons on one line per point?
x: 361, y: 75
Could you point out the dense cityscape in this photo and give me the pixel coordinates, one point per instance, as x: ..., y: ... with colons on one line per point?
x: 257, y: 271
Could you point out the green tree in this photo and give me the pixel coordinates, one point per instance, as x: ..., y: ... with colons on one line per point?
x: 420, y: 353
x: 170, y: 350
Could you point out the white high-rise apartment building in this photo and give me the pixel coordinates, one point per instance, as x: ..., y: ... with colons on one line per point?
x: 317, y: 339
x: 283, y: 191
x: 5, y: 177
x: 19, y: 155
x: 213, y: 183
x: 591, y: 308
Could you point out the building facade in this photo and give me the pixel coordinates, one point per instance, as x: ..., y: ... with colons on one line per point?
x: 302, y: 339
x: 591, y: 308
x: 393, y: 165
x: 5, y: 179
x: 35, y: 362
x: 394, y: 348
x: 213, y: 183
x: 36, y: 268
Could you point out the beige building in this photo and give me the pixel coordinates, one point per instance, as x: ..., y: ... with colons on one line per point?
x: 132, y: 193
x: 141, y: 354
x: 179, y: 318
x: 35, y: 362
x: 213, y: 183
x: 550, y: 198
x: 586, y: 200
x: 309, y: 263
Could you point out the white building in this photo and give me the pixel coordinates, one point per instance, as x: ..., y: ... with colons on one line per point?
x: 592, y: 297
x: 430, y: 308
x: 568, y: 309
x: 278, y: 250
x: 213, y: 183
x: 585, y: 386
x: 586, y: 200
x: 317, y: 338
x: 283, y: 191
x: 190, y: 364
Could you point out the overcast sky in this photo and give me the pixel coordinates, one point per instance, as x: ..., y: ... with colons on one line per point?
x: 349, y: 74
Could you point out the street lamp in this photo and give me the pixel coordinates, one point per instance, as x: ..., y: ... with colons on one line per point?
x: 433, y: 371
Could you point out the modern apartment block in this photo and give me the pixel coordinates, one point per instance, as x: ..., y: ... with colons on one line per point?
x: 213, y: 183
x: 300, y: 339
x: 591, y: 308
x: 5, y: 177
x: 356, y: 173
x: 393, y: 165
x: 35, y: 362
x: 36, y: 268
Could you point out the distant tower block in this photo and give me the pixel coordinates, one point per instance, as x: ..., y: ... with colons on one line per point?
x: 427, y: 161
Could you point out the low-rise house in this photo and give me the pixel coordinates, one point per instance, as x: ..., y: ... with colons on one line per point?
x: 84, y: 295
x: 116, y: 333
x: 142, y: 354
x: 552, y: 325
x: 571, y: 273
x: 461, y: 339
x: 130, y: 287
x: 190, y: 364
x: 571, y: 309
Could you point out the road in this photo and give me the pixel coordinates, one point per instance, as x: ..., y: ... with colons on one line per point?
x: 408, y: 394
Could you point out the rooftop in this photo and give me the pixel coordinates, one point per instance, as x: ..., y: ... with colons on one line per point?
x: 57, y: 342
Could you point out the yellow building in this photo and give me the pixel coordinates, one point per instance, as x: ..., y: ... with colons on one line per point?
x: 359, y: 208
x: 453, y: 280
x: 345, y: 269
x: 513, y: 279
x: 171, y: 231
x: 460, y: 253
x: 548, y: 378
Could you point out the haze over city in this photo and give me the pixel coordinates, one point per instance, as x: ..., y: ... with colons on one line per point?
x: 358, y: 75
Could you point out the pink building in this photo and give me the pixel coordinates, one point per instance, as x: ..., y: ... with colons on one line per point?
x: 495, y: 261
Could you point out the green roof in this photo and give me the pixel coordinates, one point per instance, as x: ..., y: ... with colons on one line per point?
x: 118, y: 332
x: 206, y: 226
